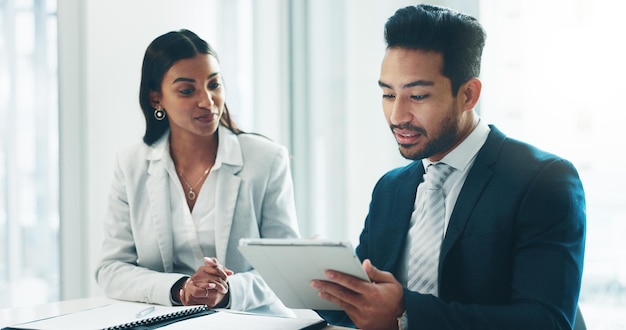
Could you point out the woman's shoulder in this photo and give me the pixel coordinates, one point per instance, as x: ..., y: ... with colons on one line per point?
x: 138, y: 156
x: 260, y: 149
x: 258, y: 144
x: 254, y: 140
x: 135, y: 151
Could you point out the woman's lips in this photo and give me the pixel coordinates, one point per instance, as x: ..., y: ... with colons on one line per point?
x: 207, y: 118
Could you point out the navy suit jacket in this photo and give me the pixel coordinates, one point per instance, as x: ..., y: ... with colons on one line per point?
x: 512, y: 257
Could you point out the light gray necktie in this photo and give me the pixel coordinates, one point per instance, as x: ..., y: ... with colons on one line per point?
x: 427, y: 233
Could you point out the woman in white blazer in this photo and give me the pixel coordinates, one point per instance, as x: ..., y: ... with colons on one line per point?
x: 181, y: 200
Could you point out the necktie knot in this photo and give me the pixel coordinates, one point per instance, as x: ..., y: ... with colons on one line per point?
x: 436, y: 175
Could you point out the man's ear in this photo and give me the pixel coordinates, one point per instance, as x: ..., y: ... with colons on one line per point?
x: 469, y: 93
x: 155, y: 98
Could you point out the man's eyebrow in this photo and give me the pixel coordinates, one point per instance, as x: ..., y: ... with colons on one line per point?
x: 193, y: 80
x: 411, y: 84
x: 419, y: 83
x: 382, y: 84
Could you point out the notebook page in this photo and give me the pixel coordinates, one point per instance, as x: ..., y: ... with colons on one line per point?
x: 101, y: 317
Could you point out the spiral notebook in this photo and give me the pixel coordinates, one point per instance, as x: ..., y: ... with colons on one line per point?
x: 139, y: 316
x: 118, y: 316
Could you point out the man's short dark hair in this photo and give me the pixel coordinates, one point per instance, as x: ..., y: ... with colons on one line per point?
x: 458, y: 37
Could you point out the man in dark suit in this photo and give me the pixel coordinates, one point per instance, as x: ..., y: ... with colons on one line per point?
x: 510, y: 255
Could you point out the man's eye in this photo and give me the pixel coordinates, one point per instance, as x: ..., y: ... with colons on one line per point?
x: 388, y: 96
x: 419, y: 97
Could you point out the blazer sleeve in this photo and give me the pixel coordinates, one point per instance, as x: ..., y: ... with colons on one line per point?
x: 278, y: 212
x: 544, y: 267
x: 118, y: 272
x: 249, y: 291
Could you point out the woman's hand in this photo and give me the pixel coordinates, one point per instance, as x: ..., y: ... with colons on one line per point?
x: 208, y: 286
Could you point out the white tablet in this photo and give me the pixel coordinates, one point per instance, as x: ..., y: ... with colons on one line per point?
x: 289, y: 265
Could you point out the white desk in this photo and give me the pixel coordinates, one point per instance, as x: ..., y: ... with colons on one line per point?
x: 11, y: 316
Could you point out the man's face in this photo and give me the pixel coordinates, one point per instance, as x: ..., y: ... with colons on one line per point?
x: 418, y: 103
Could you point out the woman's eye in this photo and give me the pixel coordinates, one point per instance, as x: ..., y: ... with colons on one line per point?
x: 186, y: 91
x: 214, y: 85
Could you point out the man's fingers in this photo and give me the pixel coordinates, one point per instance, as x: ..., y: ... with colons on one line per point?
x: 335, y: 293
x: 348, y: 308
x: 376, y: 275
x: 353, y: 283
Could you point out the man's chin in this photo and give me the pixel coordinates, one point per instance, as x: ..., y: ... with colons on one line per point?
x: 410, y: 152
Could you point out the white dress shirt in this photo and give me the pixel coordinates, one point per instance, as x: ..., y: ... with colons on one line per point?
x: 460, y: 159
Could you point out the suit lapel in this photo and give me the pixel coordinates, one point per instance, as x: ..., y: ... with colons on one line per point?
x: 478, y: 177
x: 401, y: 210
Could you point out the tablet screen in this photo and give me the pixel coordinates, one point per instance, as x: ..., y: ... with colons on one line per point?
x: 289, y: 265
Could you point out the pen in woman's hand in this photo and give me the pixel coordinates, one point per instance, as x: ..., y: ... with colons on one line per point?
x: 145, y: 312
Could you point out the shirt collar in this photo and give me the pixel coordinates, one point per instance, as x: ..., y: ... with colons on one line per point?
x: 228, y: 149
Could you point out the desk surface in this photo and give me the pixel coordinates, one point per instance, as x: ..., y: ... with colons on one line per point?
x: 11, y: 316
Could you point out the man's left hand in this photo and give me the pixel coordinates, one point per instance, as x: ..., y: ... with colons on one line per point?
x: 374, y: 305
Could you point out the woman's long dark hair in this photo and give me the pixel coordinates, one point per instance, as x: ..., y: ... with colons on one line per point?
x: 160, y: 56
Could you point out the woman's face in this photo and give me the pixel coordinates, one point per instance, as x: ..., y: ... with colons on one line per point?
x: 192, y: 95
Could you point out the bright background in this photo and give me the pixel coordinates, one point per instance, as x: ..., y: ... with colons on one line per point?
x: 303, y: 73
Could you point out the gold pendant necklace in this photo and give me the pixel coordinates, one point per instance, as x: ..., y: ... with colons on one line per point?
x: 191, y: 194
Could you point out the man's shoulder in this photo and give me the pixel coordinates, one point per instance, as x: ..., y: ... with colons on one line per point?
x: 526, y: 152
x: 402, y: 173
x: 512, y: 157
x: 514, y: 149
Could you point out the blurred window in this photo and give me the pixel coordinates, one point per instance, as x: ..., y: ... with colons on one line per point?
x: 29, y: 215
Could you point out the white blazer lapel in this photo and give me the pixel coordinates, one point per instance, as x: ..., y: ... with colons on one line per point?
x: 159, y: 199
x: 227, y: 192
x: 225, y: 202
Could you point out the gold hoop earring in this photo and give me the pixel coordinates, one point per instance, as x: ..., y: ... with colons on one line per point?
x: 159, y: 113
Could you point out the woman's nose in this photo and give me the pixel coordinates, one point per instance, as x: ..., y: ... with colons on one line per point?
x: 206, y: 100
